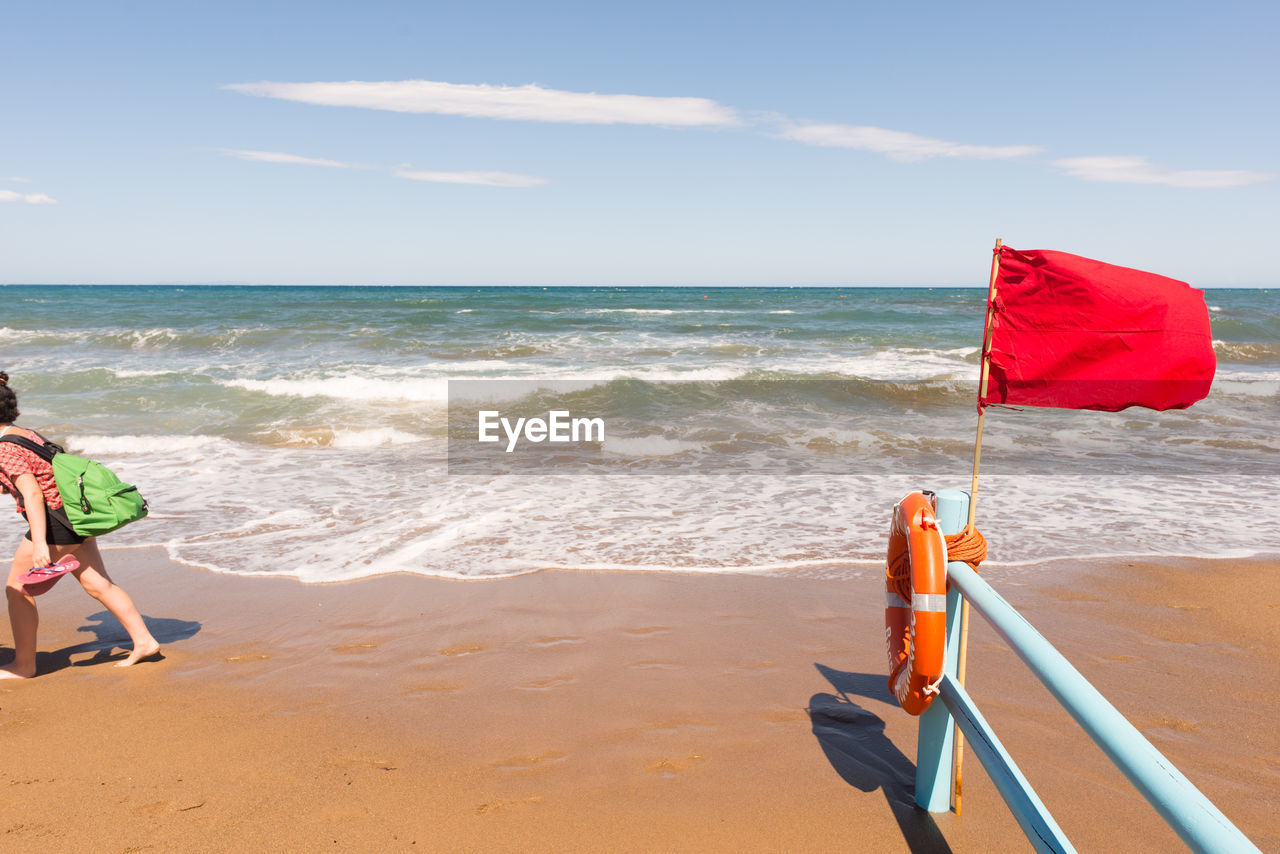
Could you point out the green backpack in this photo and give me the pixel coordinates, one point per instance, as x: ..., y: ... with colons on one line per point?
x: 94, y: 499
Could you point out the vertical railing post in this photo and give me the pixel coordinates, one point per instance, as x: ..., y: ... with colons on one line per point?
x: 936, y: 740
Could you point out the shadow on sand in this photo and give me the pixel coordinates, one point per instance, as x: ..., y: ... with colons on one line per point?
x: 108, y: 637
x: 855, y: 744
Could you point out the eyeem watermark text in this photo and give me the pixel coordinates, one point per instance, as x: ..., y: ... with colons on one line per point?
x: 558, y: 426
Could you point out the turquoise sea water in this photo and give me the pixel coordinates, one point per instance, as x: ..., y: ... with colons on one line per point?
x: 303, y: 430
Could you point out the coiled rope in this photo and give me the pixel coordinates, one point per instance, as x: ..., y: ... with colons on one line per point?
x: 969, y: 546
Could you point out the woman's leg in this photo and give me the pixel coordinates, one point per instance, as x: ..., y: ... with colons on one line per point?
x: 23, y: 617
x: 92, y: 575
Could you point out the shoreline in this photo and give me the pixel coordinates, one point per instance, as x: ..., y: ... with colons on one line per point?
x: 845, y: 570
x: 589, y: 710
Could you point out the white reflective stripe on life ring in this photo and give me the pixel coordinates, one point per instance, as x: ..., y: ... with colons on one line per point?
x: 933, y: 603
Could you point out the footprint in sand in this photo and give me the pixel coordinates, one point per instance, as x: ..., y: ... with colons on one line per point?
x: 546, y: 684
x: 1167, y: 722
x: 646, y: 631
x: 786, y: 716
x: 361, y: 763
x: 151, y: 810
x: 495, y: 806
x: 567, y: 639
x: 464, y: 649
x: 524, y: 763
x: 670, y: 767
x: 248, y: 656
x: 676, y: 726
x: 349, y: 648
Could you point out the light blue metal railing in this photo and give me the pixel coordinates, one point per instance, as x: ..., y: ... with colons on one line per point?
x: 1191, y: 815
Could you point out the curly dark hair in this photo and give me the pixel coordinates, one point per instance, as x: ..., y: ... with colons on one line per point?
x: 8, y: 401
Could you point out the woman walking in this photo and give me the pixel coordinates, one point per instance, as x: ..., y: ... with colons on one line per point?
x: 29, y: 479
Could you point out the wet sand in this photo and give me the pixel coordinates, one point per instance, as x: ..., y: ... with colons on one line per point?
x: 610, y: 712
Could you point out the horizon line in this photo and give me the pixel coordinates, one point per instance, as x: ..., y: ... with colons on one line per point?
x: 541, y: 286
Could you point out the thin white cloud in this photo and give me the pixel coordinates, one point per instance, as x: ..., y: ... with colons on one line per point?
x: 28, y: 198
x: 1136, y: 170
x: 18, y: 180
x: 896, y: 144
x: 534, y: 103
x: 523, y: 103
x: 486, y: 179
x: 281, y: 157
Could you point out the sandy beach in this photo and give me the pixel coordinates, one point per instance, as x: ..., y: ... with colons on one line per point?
x: 610, y: 712
x: 520, y: 396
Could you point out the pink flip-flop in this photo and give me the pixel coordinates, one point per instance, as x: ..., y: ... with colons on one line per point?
x: 41, y: 578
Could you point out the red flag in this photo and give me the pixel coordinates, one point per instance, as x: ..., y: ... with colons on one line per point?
x: 1074, y: 333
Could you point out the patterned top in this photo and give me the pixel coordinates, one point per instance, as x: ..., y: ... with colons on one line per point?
x: 15, y: 460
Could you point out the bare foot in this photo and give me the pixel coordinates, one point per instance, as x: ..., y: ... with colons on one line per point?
x: 11, y: 672
x: 146, y: 650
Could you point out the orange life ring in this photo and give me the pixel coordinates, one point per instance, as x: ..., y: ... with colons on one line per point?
x: 915, y: 614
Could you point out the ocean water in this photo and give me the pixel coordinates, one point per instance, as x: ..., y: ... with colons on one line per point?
x: 305, y: 431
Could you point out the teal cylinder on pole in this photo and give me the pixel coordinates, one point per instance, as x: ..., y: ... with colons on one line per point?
x: 935, y: 740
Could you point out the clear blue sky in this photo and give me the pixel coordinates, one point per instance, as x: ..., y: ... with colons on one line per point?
x: 486, y: 143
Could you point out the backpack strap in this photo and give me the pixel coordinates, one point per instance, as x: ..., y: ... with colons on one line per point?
x: 44, y: 452
x: 51, y: 445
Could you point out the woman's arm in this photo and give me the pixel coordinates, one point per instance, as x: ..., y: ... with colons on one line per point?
x: 33, y: 502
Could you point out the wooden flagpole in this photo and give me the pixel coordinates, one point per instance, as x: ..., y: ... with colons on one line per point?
x: 958, y: 762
